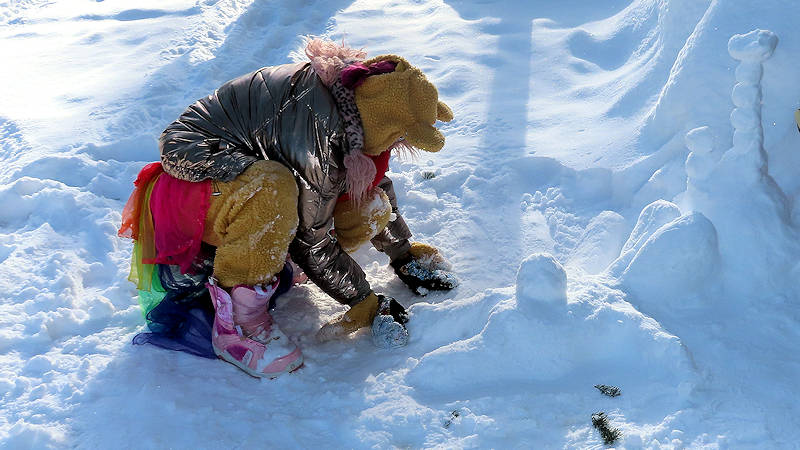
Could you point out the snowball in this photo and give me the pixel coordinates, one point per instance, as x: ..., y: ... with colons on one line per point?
x: 38, y: 365
x: 756, y: 45
x: 746, y: 95
x: 652, y: 217
x: 749, y: 72
x: 745, y: 119
x: 699, y: 167
x: 700, y: 140
x: 540, y: 279
x: 675, y: 260
x: 747, y: 141
x: 101, y: 308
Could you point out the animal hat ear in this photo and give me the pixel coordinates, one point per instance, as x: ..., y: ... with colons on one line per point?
x: 425, y: 137
x: 443, y: 112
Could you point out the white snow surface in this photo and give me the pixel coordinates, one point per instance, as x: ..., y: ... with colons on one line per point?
x: 617, y: 196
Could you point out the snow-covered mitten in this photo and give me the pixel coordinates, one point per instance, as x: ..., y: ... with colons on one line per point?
x: 423, y: 269
x: 388, y: 327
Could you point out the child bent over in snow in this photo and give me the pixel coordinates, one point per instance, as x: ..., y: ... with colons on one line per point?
x: 292, y: 159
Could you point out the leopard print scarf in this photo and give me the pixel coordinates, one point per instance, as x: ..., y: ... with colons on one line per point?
x: 328, y: 59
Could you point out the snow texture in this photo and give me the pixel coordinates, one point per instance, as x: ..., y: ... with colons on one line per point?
x: 617, y: 196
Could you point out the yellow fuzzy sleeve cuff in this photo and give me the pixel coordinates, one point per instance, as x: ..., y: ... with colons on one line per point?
x: 357, y: 223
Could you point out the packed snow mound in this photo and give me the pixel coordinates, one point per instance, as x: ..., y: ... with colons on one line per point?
x: 541, y: 281
x: 537, y: 326
x: 674, y: 261
x: 735, y: 190
x: 756, y: 45
x: 652, y: 217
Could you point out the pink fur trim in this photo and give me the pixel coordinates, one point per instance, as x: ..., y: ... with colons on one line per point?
x: 329, y: 58
x: 403, y: 148
x: 360, y: 174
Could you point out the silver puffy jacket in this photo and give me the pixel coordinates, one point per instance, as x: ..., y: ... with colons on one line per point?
x: 284, y: 114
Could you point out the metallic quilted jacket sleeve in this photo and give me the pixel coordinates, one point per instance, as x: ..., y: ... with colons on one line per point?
x: 393, y: 240
x: 200, y: 157
x: 213, y: 138
x: 306, y: 135
x: 320, y: 255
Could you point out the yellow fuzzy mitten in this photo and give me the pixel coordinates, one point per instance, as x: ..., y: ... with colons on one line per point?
x: 357, y: 223
x: 400, y: 104
x: 428, y: 256
x: 357, y: 317
x: 424, y: 269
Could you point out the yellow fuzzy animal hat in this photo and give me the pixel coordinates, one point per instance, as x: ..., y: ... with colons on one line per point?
x: 400, y: 104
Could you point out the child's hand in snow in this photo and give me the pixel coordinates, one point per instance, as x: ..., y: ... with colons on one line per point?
x: 424, y: 269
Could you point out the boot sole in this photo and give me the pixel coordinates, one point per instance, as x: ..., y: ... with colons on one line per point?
x: 291, y: 367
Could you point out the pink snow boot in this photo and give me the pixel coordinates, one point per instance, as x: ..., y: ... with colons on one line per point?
x: 245, y: 335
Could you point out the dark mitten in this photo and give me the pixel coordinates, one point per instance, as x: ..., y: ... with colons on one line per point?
x: 422, y: 269
x: 388, y: 306
x: 388, y: 327
x: 358, y: 316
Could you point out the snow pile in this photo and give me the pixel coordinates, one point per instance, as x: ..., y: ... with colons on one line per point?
x: 617, y: 196
x: 677, y: 259
x: 538, y: 328
x: 541, y: 280
x: 736, y: 190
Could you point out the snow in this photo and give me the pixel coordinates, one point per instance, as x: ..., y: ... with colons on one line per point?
x: 617, y: 196
x: 675, y: 261
x: 541, y: 279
